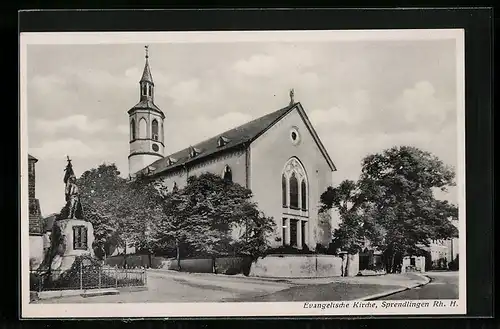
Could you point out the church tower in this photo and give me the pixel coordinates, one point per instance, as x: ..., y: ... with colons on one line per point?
x: 146, y: 125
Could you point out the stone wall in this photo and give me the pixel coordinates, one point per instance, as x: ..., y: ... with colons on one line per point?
x: 297, y: 266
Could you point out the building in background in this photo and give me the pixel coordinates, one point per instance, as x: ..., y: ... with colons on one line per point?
x: 35, y: 217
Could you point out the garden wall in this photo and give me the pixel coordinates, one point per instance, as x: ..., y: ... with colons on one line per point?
x: 136, y: 261
x: 297, y: 266
x: 200, y: 265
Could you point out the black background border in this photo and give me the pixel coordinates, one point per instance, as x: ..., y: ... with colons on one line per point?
x: 478, y: 25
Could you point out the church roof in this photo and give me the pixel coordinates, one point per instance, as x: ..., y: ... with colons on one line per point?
x: 233, y: 138
x: 147, y: 104
x: 238, y: 137
x: 146, y: 74
x: 32, y: 158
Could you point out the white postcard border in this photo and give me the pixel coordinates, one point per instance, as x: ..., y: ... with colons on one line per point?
x: 131, y: 310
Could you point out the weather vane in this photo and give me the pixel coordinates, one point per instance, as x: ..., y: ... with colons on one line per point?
x: 147, y: 49
x: 292, y: 93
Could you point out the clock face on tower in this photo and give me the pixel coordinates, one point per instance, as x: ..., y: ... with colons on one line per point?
x: 155, y: 147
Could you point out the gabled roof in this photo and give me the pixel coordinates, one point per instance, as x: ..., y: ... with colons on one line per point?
x: 237, y: 137
x: 32, y: 158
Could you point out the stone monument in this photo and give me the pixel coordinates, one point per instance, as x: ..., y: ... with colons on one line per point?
x: 72, y: 235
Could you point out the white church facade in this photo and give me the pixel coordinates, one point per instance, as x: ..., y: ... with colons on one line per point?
x: 278, y: 156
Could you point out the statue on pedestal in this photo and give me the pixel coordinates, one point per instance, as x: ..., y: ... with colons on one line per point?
x: 73, y: 209
x: 71, y: 235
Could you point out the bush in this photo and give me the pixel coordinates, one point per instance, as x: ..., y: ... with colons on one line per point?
x: 453, y: 265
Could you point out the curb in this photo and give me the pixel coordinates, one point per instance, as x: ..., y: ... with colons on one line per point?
x: 395, y: 291
x: 71, y: 293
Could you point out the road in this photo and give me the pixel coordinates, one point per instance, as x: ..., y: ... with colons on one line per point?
x: 189, y: 287
x: 443, y: 285
x: 177, y: 288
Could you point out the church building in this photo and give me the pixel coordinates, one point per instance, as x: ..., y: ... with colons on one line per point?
x: 278, y: 156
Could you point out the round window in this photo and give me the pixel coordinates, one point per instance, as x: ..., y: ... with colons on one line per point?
x: 294, y: 136
x: 155, y: 147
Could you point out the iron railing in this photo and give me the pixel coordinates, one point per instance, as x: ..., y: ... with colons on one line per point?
x: 87, y: 278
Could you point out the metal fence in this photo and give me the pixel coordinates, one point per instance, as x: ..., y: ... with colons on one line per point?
x: 88, y: 278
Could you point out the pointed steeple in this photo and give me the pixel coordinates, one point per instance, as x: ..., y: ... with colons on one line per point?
x: 146, y: 74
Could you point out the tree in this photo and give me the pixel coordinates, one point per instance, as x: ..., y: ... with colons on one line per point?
x: 203, y: 215
x: 101, y: 195
x: 397, y: 188
x: 121, y: 211
x: 349, y: 236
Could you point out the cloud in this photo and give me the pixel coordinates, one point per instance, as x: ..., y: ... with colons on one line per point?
x: 79, y: 122
x: 58, y: 149
x: 353, y: 110
x: 257, y: 65
x: 277, y: 61
x: 124, y: 129
x: 192, y: 92
x: 421, y: 105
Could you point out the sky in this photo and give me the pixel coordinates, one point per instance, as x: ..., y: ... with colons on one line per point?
x: 361, y: 96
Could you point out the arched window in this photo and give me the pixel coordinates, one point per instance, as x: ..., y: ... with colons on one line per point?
x: 283, y: 191
x: 294, y: 185
x: 143, y: 129
x: 303, y: 190
x: 294, y: 192
x: 154, y: 128
x: 150, y: 91
x: 227, y: 174
x: 144, y: 90
x: 132, y: 129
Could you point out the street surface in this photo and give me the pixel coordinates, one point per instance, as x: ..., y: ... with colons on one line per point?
x: 172, y: 287
x: 443, y: 285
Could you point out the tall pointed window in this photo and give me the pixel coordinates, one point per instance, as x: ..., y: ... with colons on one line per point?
x: 294, y: 185
x: 150, y: 91
x: 154, y: 128
x: 294, y: 192
x: 132, y: 129
x: 143, y: 128
x: 303, y: 192
x: 283, y: 191
x: 144, y: 90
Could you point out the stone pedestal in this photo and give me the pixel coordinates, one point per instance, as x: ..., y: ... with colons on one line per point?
x: 70, y: 238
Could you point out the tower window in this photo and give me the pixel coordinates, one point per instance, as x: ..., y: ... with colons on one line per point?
x: 142, y: 128
x: 144, y: 90
x: 150, y: 90
x: 154, y: 128
x: 132, y: 129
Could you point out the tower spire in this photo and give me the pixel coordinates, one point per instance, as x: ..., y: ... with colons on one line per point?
x: 146, y: 74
